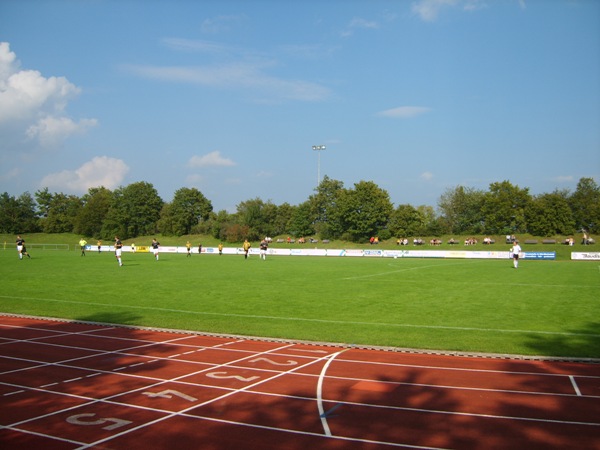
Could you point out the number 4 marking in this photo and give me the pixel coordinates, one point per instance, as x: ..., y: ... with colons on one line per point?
x: 169, y: 393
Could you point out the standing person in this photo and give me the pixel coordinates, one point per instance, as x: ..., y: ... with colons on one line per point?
x: 118, y: 249
x: 188, y: 247
x: 20, y: 243
x: 515, y: 250
x: 246, y: 246
x: 99, y: 244
x: 220, y: 248
x: 264, y: 245
x: 82, y: 244
x: 21, y: 249
x: 200, y: 248
x: 155, y: 244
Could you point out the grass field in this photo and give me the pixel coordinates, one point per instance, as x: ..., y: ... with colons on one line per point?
x: 545, y: 308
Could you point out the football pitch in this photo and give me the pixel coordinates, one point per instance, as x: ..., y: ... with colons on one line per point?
x: 543, y: 308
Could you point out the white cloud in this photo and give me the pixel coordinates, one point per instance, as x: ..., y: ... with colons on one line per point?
x: 404, y: 112
x: 11, y: 174
x: 100, y: 171
x: 52, y: 131
x: 358, y: 23
x: 33, y: 105
x: 429, y: 10
x: 189, y: 45
x: 219, y: 24
x: 241, y: 75
x: 210, y: 159
x: 564, y: 178
x: 427, y: 176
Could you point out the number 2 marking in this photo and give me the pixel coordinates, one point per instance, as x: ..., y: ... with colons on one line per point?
x: 288, y: 363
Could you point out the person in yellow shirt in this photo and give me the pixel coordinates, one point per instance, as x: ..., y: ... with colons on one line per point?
x: 99, y: 243
x: 246, y: 248
x: 82, y: 244
x: 220, y: 248
x: 188, y: 246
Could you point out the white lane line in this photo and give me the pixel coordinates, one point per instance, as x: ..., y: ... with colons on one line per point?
x: 322, y: 413
x: 574, y: 383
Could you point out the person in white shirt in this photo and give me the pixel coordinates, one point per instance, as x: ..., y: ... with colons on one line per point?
x: 515, y: 250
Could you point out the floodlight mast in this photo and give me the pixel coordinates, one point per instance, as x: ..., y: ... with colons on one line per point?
x: 319, y: 149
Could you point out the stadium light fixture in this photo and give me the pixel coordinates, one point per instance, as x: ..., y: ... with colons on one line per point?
x: 319, y: 149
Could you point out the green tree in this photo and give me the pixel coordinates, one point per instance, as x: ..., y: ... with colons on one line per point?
x: 504, y: 208
x: 91, y: 216
x: 364, y: 211
x: 301, y: 222
x: 188, y: 208
x: 585, y: 204
x: 134, y: 211
x: 218, y: 223
x: 256, y: 217
x: 429, y: 224
x: 407, y: 221
x: 62, y: 213
x: 324, y: 205
x: 281, y: 221
x: 549, y: 215
x: 44, y: 201
x: 17, y: 215
x: 461, y: 209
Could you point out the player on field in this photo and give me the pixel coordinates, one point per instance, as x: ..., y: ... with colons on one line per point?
x: 246, y: 248
x: 155, y: 244
x: 515, y: 250
x: 82, y: 244
x: 264, y: 245
x: 21, y: 248
x: 118, y: 249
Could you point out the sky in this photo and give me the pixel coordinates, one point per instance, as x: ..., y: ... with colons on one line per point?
x: 230, y: 96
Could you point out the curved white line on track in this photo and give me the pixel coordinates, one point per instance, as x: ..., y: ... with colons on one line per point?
x: 305, y: 319
x: 322, y: 413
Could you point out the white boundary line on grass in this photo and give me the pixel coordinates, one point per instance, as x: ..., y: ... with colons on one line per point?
x: 301, y: 319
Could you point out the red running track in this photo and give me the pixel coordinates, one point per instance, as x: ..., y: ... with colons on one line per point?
x: 67, y: 385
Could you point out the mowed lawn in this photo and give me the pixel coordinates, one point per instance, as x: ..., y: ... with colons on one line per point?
x: 545, y: 308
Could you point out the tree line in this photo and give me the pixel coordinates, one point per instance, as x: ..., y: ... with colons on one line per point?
x: 332, y: 212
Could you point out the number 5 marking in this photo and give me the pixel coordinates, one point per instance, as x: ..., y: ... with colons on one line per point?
x: 224, y: 376
x: 76, y: 420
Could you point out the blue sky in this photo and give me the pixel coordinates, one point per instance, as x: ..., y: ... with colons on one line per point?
x: 230, y: 96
